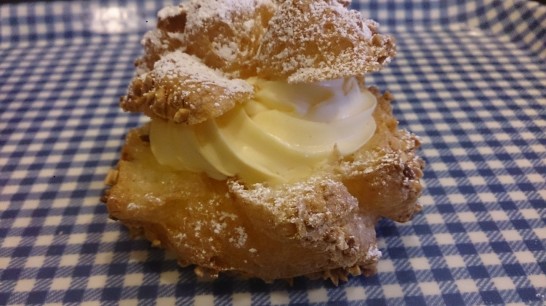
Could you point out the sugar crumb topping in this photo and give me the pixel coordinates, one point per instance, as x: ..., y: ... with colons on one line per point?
x: 178, y: 63
x: 200, y: 11
x: 169, y: 11
x: 374, y: 252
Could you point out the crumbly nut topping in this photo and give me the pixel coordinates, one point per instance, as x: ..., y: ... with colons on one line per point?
x: 182, y: 89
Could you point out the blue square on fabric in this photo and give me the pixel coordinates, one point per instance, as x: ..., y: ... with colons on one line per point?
x: 476, y: 207
x: 496, y: 188
x: 64, y: 229
x: 534, y: 245
x: 414, y: 300
x: 455, y: 227
x: 514, y: 270
x: 147, y: 292
x: 22, y: 251
x: 111, y: 294
x: 466, y: 249
x: 452, y: 299
x: 11, y: 274
x: 476, y: 157
x: 406, y: 277
x: 520, y: 224
x: 477, y: 272
x: 35, y: 167
x: 491, y: 298
x: 27, y: 181
x: 422, y: 229
x: 500, y: 247
x: 187, y: 290
x: 527, y: 294
x: 486, y: 172
x: 442, y: 274
x: 40, y: 212
x: 36, y: 297
x: 539, y: 204
x: 46, y: 272
x: 488, y: 226
x: 79, y: 193
x: 18, y: 196
x: 445, y: 208
x: 505, y: 205
x: 503, y: 156
x: 82, y: 271
x: 514, y: 171
x: 71, y: 211
x: 530, y: 156
x: 397, y: 253
x: 89, y: 248
x: 432, y: 251
x: 127, y: 245
x: 9, y: 214
x: 96, y: 227
x: 153, y: 265
x: 457, y: 173
x: 526, y: 187
x: 73, y: 296
x: 48, y: 195
x: 374, y: 302
x: 370, y: 281
x: 55, y: 250
x: 100, y: 209
x: 448, y: 159
x: 4, y: 298
x: 117, y: 269
x: 31, y: 231
x: 436, y: 190
x: 467, y: 189
x: 387, y: 230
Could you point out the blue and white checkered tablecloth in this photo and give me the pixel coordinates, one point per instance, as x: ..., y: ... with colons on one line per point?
x: 470, y: 79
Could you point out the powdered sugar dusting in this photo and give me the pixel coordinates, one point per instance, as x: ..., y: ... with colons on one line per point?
x: 178, y: 63
x: 169, y: 11
x: 153, y: 37
x: 310, y: 41
x: 240, y: 239
x: 200, y: 11
x: 132, y: 206
x: 303, y: 197
x: 373, y: 253
x: 195, y: 61
x: 227, y: 51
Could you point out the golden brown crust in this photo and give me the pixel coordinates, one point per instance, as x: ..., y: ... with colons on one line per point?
x: 321, y: 226
x: 385, y: 173
x: 227, y: 35
x: 297, y: 41
x: 182, y: 89
x: 309, y: 41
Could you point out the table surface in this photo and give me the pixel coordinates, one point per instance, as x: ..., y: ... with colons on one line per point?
x: 469, y: 78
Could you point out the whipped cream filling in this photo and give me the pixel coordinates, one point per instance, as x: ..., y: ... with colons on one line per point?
x: 283, y: 134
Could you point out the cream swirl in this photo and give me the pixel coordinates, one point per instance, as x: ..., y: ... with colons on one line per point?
x: 284, y: 133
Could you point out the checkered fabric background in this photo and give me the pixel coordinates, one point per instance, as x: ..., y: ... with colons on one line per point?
x: 470, y: 79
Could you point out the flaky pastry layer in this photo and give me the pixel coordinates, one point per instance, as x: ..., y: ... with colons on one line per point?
x: 296, y: 41
x: 320, y: 226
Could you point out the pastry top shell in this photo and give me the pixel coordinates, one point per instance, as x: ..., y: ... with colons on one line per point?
x: 297, y: 41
